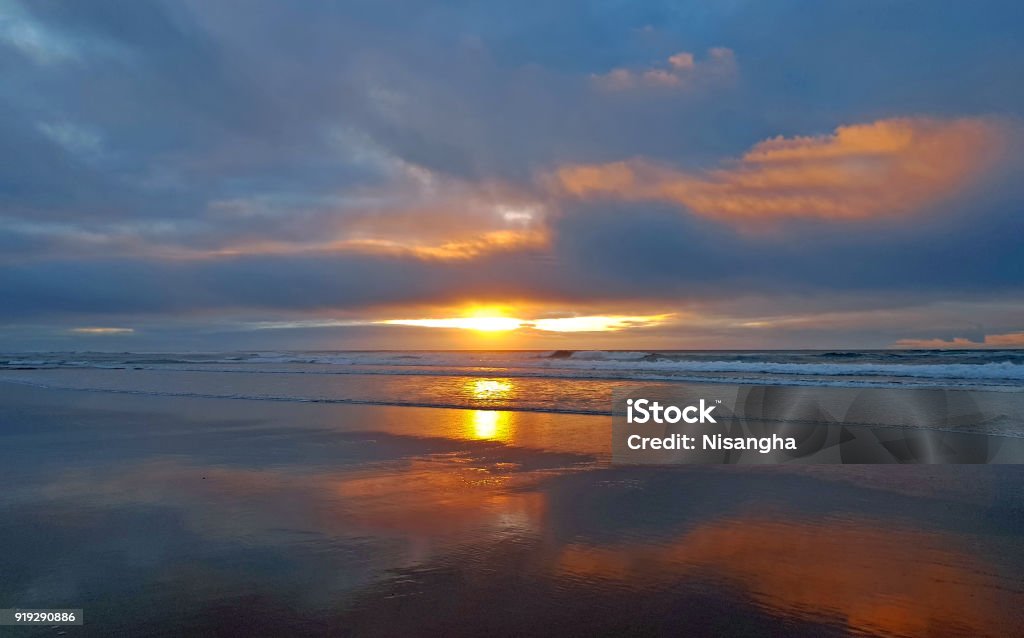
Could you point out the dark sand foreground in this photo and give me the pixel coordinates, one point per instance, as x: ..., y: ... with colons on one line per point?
x: 203, y: 517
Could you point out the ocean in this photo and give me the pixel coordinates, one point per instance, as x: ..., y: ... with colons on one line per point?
x: 474, y: 493
x: 543, y: 381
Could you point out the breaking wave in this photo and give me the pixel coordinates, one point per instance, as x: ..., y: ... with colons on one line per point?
x: 1001, y: 368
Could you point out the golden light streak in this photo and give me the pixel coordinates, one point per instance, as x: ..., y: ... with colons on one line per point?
x: 95, y: 330
x: 480, y: 324
x: 498, y: 323
x: 598, y: 323
x: 1009, y: 340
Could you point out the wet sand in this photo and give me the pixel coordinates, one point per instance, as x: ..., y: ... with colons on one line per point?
x: 186, y: 516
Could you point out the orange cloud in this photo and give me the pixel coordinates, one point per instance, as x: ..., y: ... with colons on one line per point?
x: 427, y: 249
x: 1009, y: 340
x: 469, y: 248
x: 680, y: 70
x: 888, y: 167
x: 428, y: 217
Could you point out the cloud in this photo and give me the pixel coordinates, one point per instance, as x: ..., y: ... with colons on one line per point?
x: 97, y: 330
x: 678, y: 71
x: 1009, y: 340
x: 884, y: 168
x: 462, y: 249
x: 74, y: 139
x: 32, y: 40
x: 417, y: 213
x: 408, y: 211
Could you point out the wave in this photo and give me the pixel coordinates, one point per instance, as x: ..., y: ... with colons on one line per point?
x: 593, y: 376
x: 326, y: 400
x: 987, y: 371
x: 988, y: 366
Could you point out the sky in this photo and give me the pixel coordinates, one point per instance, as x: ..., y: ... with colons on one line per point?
x: 197, y: 175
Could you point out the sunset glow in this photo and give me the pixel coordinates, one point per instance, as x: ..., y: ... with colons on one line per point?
x: 96, y: 330
x: 594, y: 323
x: 597, y: 323
x: 480, y: 324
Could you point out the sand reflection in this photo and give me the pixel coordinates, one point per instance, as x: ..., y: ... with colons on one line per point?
x: 434, y: 498
x: 877, y: 579
x: 427, y: 502
x: 489, y: 424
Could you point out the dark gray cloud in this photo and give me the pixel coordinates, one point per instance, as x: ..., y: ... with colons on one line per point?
x: 621, y: 252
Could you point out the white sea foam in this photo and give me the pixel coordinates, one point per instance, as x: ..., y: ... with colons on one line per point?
x: 637, y: 361
x: 1001, y: 368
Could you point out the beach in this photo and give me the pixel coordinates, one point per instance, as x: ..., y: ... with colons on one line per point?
x: 163, y: 514
x: 402, y: 319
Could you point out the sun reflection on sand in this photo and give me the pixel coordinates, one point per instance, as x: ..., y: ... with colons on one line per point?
x: 485, y: 424
x: 489, y: 424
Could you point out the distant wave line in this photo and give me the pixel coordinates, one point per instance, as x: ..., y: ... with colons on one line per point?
x: 933, y: 379
x: 584, y: 364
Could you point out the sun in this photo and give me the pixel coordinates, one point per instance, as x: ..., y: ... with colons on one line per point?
x: 488, y: 319
x: 489, y: 324
x: 480, y: 324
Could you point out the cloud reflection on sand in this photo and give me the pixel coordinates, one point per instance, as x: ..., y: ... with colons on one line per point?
x: 443, y: 497
x: 875, y: 577
x: 879, y: 577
